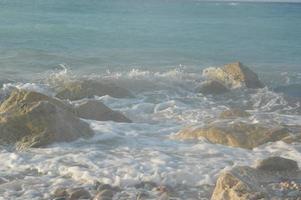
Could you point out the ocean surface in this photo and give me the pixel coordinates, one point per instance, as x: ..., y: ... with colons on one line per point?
x: 157, y: 49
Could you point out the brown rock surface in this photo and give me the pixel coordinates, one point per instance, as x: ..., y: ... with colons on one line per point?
x: 76, y: 90
x: 246, y: 183
x: 234, y: 75
x: 96, y: 110
x: 235, y: 134
x: 31, y: 119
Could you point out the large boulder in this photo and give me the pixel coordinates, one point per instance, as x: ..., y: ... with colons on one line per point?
x: 279, y: 179
x: 212, y: 87
x: 234, y: 75
x: 31, y: 119
x: 95, y: 110
x: 76, y: 90
x: 235, y: 134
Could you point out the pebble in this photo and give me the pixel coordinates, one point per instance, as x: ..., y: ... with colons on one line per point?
x: 104, y: 195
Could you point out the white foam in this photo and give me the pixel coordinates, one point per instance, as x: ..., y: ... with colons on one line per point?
x: 124, y: 154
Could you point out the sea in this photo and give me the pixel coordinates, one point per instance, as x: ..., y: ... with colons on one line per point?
x: 156, y: 49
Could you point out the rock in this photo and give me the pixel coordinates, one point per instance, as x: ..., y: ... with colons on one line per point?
x: 76, y: 90
x: 148, y: 185
x: 234, y: 75
x: 60, y: 193
x: 234, y: 113
x: 212, y: 87
x: 277, y: 164
x: 246, y: 183
x: 96, y: 110
x: 79, y: 193
x: 292, y: 139
x: 30, y: 119
x: 235, y: 134
x: 104, y: 195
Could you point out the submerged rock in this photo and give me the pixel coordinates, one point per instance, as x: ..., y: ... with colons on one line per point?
x: 236, y: 134
x: 234, y: 113
x: 76, y: 90
x: 96, y: 110
x: 71, y: 194
x: 292, y: 90
x: 275, y: 181
x: 234, y: 75
x: 212, y: 87
x: 277, y: 164
x: 31, y: 119
x: 104, y: 195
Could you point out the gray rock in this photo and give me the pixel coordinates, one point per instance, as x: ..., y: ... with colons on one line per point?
x: 60, y: 193
x: 95, y: 110
x: 246, y: 183
x: 212, y: 87
x: 277, y: 164
x: 76, y: 90
x: 104, y: 195
x: 234, y: 113
x: 78, y: 193
x: 30, y: 119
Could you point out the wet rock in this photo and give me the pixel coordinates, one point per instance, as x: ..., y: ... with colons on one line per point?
x: 212, y: 87
x: 277, y: 164
x: 104, y: 195
x: 76, y: 90
x: 234, y: 75
x: 95, y: 110
x: 60, y: 193
x: 234, y: 113
x: 78, y: 193
x: 246, y: 183
x: 2, y: 180
x: 30, y: 119
x: 292, y: 139
x: 146, y: 185
x: 235, y: 134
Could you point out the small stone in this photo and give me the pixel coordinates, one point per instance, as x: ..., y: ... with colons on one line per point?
x: 104, y: 195
x: 277, y: 164
x: 60, y: 192
x: 233, y: 113
x: 79, y: 193
x: 146, y: 185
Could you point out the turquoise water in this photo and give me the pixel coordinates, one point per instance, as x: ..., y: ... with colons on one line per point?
x: 93, y: 35
x: 156, y: 49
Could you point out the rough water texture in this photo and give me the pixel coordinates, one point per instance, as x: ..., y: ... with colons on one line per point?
x: 156, y: 50
x: 142, y: 158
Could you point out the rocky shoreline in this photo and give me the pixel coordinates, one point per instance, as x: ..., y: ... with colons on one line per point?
x: 31, y: 119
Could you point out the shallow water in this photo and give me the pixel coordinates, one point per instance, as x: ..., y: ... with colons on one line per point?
x: 157, y: 50
x: 125, y: 155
